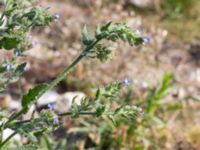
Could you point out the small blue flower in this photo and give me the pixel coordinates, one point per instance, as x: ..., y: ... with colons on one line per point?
x: 9, y: 66
x: 146, y: 39
x: 127, y: 82
x: 57, y: 16
x: 55, y: 120
x: 50, y: 106
x: 17, y: 52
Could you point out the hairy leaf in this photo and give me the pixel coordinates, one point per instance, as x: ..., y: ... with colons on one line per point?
x: 32, y: 96
x: 86, y: 39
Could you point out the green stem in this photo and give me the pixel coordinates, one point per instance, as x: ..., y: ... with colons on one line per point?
x: 81, y: 113
x: 61, y: 114
x: 66, y: 71
x: 8, y: 138
x: 60, y: 77
x: 12, y: 118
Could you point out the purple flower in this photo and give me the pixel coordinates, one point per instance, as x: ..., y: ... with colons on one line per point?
x: 127, y: 82
x: 50, y: 106
x: 33, y: 43
x: 55, y: 120
x: 57, y: 16
x: 146, y: 39
x: 9, y: 66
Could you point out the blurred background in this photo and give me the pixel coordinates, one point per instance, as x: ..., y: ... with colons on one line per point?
x: 174, y: 29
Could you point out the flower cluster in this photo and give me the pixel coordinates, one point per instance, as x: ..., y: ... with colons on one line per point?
x: 51, y: 108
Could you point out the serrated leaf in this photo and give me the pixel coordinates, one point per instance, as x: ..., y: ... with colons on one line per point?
x: 32, y: 96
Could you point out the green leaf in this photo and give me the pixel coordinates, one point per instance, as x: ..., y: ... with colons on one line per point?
x: 86, y: 39
x: 98, y: 92
x: 17, y: 73
x: 20, y: 69
x: 106, y: 27
x: 9, y: 43
x: 174, y: 107
x: 32, y: 96
x: 75, y: 108
x: 2, y: 69
x: 157, y: 93
x: 100, y: 110
x: 98, y: 32
x: 112, y: 119
x: 138, y: 41
x: 165, y: 85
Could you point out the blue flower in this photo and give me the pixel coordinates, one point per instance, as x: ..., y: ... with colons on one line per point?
x: 57, y: 16
x: 146, y: 39
x: 127, y: 82
x: 50, y: 106
x: 9, y: 66
x: 55, y: 120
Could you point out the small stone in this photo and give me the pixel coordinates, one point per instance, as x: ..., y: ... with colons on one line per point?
x: 49, y: 97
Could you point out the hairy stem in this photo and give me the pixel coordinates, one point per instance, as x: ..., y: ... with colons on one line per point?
x: 60, y: 77
x: 61, y: 114
x: 81, y: 113
x: 66, y: 71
